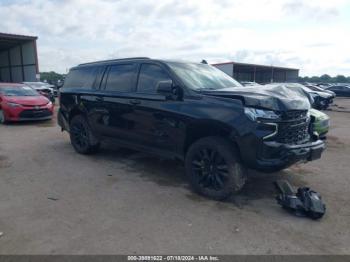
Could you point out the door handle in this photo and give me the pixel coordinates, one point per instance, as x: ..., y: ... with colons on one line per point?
x: 134, y: 102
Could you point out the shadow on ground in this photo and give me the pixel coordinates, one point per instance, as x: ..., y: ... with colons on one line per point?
x: 171, y: 173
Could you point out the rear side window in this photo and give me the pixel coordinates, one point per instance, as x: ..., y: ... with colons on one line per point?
x: 81, y: 78
x: 121, y: 78
x: 149, y: 77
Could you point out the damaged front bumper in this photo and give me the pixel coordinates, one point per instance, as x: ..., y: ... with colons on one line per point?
x: 274, y: 156
x: 270, y: 155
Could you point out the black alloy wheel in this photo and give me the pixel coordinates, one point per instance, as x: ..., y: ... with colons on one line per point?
x: 211, y: 168
x: 214, y: 168
x: 82, y: 138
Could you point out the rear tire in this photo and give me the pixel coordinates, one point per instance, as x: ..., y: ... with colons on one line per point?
x: 213, y: 167
x: 81, y: 136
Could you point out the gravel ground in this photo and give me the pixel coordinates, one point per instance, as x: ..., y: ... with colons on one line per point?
x: 55, y: 201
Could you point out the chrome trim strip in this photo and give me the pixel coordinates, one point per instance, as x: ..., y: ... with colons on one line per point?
x: 274, y: 133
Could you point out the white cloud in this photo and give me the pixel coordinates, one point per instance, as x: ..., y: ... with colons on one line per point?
x: 311, y: 35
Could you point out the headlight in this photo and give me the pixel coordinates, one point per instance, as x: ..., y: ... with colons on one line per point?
x: 49, y: 103
x: 11, y: 104
x: 254, y: 113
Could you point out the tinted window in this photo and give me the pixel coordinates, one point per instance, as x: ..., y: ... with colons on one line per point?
x: 81, y: 77
x: 121, y: 78
x: 149, y: 77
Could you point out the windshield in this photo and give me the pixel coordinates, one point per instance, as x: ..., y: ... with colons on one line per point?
x: 18, y: 91
x: 202, y: 76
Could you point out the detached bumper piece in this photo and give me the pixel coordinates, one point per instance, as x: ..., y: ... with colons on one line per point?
x: 305, y: 202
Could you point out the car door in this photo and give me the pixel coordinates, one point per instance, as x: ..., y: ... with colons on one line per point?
x: 91, y: 98
x: 157, y: 122
x: 344, y: 91
x: 347, y: 91
x: 116, y: 118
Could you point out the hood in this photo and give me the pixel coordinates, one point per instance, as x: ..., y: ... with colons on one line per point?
x: 272, y: 97
x: 27, y: 100
x: 322, y: 94
x: 330, y: 92
x: 42, y: 88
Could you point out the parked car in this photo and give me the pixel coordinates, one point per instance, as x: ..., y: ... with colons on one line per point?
x: 43, y: 88
x: 19, y: 102
x: 246, y: 83
x: 320, y: 122
x: 319, y: 89
x: 340, y: 90
x: 323, y: 85
x: 321, y: 99
x: 57, y: 87
x: 188, y: 111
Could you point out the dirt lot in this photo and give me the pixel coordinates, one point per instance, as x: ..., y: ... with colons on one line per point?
x: 54, y: 201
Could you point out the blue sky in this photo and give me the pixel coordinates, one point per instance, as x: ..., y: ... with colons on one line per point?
x: 311, y: 35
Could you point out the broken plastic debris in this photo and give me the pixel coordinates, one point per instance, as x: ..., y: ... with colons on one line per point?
x: 52, y: 198
x: 305, y: 202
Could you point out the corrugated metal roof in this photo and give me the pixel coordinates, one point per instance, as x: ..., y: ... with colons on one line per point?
x: 246, y: 64
x: 17, y: 37
x: 8, y: 41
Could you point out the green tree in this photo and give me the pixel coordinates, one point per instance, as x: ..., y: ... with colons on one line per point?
x: 325, y: 78
x: 315, y: 79
x: 51, y: 77
x: 340, y: 79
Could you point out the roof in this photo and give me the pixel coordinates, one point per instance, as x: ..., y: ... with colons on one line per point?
x: 246, y: 64
x: 114, y: 60
x: 10, y: 40
x: 136, y: 59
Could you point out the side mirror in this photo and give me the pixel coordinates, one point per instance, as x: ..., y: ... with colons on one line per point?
x: 169, y: 90
x: 165, y: 88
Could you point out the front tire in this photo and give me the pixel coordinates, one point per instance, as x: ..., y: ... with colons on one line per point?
x: 81, y: 136
x: 213, y: 167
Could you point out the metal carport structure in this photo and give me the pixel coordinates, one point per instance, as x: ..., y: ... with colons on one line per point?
x: 18, y: 58
x: 258, y: 73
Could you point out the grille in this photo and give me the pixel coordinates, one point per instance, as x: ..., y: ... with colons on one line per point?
x: 294, y: 128
x: 294, y: 115
x: 35, y: 113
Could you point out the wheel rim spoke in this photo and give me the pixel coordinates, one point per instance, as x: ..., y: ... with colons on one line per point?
x: 79, y: 134
x: 211, y: 169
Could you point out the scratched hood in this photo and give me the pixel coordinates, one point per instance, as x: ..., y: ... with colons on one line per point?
x: 272, y: 97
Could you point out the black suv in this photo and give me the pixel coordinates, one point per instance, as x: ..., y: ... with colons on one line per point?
x: 188, y: 111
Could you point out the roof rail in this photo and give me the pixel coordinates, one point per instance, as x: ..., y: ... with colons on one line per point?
x: 114, y: 60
